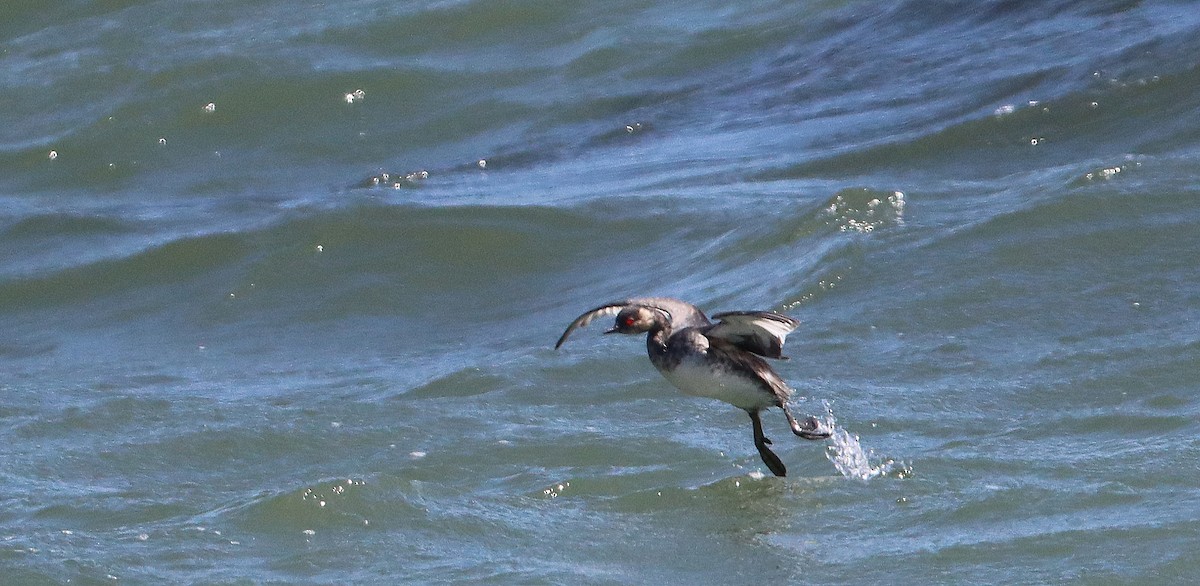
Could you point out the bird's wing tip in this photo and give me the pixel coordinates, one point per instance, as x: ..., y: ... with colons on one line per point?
x: 586, y: 318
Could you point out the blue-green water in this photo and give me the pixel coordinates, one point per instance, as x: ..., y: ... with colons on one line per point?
x: 279, y: 283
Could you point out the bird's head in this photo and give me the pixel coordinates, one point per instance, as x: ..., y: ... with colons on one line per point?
x: 639, y: 319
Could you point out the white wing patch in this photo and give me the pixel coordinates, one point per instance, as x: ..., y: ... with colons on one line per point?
x: 760, y: 332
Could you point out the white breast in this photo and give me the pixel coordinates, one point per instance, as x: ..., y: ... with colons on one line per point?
x: 704, y: 379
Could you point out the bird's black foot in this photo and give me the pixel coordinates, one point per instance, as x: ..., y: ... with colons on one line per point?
x: 761, y: 442
x: 810, y: 429
x: 771, y: 460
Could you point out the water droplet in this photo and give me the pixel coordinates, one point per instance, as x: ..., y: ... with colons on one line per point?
x: 210, y: 107
x: 53, y: 155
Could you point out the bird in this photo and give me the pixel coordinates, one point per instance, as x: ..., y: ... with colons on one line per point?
x: 722, y: 360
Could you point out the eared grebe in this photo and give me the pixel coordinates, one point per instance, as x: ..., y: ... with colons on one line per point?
x: 721, y: 361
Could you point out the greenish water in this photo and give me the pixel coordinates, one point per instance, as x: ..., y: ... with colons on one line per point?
x: 304, y: 336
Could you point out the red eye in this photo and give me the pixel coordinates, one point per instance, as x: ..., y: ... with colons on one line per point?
x: 629, y: 321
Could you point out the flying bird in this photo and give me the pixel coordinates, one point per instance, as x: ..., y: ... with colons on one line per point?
x: 722, y: 360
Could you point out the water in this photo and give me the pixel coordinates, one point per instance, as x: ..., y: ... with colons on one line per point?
x: 303, y: 335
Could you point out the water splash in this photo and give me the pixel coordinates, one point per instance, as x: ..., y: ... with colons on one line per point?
x: 851, y: 460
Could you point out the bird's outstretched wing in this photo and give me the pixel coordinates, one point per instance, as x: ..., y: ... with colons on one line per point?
x: 681, y: 313
x: 760, y: 332
x: 607, y: 309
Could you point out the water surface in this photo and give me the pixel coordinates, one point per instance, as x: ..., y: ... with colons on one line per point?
x: 280, y: 283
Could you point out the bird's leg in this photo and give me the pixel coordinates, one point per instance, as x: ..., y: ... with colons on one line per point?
x: 761, y: 442
x: 809, y: 430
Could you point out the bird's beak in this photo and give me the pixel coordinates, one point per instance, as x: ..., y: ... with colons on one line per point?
x: 611, y: 331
